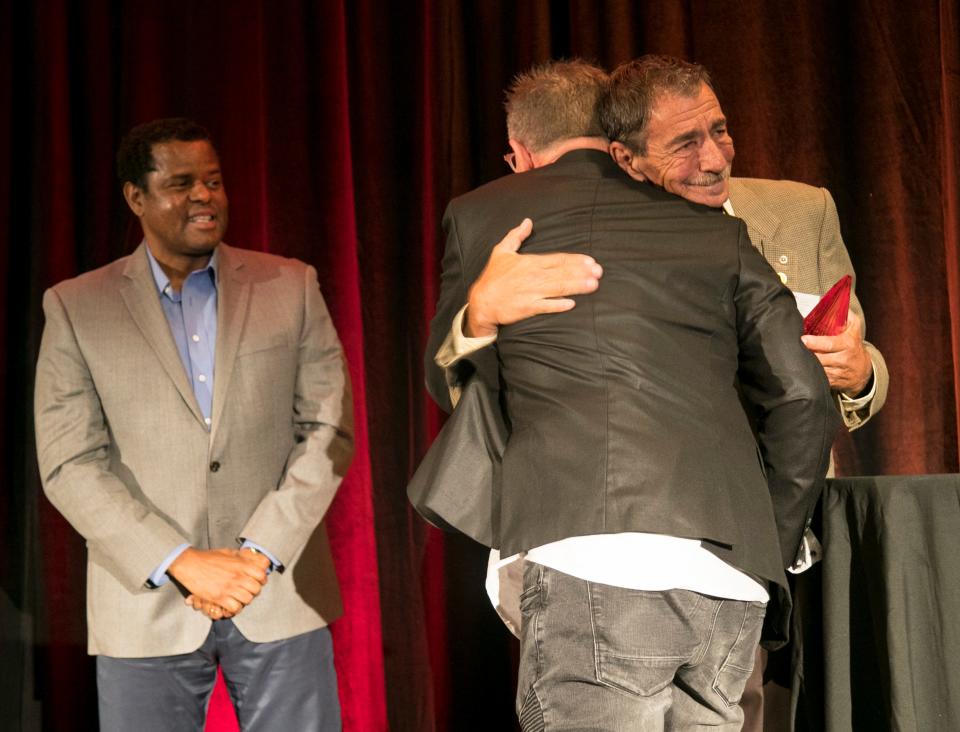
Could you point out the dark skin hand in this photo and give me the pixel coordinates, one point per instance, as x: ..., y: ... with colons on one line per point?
x: 227, y: 579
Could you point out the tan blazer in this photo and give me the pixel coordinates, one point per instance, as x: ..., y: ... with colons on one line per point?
x: 797, y: 230
x: 125, y: 455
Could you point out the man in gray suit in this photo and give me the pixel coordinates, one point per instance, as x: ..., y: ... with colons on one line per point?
x: 193, y: 423
x: 654, y: 533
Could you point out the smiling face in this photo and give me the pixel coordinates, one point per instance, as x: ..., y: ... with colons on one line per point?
x: 688, y: 149
x: 183, y: 208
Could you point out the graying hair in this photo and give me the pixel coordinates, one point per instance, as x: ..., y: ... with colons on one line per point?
x: 555, y: 101
x: 633, y: 89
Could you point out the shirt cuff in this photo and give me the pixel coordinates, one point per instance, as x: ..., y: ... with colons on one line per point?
x: 855, y: 404
x: 456, y: 345
x: 159, y: 576
x: 810, y: 553
x: 274, y: 562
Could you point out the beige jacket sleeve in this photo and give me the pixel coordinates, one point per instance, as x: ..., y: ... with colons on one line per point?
x: 323, y: 419
x: 835, y: 263
x: 73, y: 452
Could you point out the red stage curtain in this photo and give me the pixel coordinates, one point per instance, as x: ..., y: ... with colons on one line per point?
x: 344, y: 128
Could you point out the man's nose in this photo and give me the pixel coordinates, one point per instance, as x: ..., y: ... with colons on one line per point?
x: 199, y: 191
x: 712, y: 159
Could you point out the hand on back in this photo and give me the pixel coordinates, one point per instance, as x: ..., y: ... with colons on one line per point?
x: 514, y: 286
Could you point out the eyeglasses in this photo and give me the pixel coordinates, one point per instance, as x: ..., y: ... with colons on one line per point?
x: 511, y: 159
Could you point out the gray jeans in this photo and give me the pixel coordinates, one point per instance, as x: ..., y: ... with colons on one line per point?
x: 596, y: 657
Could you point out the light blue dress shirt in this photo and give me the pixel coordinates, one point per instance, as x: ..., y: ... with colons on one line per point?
x: 192, y: 316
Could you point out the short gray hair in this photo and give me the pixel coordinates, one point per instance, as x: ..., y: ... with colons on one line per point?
x: 555, y: 101
x: 634, y: 88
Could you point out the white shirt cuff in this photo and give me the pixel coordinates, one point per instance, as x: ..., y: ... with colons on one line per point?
x: 810, y: 553
x: 456, y: 345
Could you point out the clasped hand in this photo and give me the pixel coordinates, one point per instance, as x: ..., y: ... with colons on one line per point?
x: 221, y: 582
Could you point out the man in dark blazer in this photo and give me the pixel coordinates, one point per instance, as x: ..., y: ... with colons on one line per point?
x: 654, y: 531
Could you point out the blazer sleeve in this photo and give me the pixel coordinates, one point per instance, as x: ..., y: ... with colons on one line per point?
x: 323, y: 429
x: 786, y: 386
x: 73, y: 454
x: 834, y: 263
x: 453, y: 296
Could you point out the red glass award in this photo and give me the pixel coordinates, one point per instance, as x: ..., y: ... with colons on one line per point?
x: 829, y: 317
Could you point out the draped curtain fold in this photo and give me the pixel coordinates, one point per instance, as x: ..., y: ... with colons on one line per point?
x: 343, y: 129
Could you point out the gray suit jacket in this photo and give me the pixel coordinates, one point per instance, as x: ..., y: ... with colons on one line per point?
x: 125, y: 455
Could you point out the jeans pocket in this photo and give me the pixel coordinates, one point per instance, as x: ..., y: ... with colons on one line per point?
x: 738, y: 664
x: 642, y: 638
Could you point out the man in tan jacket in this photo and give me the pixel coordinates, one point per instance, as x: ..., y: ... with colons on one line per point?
x: 193, y: 423
x: 795, y: 226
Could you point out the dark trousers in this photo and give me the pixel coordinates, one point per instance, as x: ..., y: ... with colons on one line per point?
x: 766, y: 704
x: 287, y: 685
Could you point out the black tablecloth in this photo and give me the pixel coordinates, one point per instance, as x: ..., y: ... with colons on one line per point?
x: 885, y: 654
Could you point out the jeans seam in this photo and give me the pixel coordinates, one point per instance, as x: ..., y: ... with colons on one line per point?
x: 705, y: 644
x: 538, y: 626
x: 724, y: 664
x: 646, y: 659
x: 593, y: 630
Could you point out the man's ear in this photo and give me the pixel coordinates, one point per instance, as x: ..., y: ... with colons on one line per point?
x: 627, y: 160
x: 524, y: 158
x: 134, y: 197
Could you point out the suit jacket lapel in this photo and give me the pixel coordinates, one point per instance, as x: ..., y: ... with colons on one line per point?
x: 139, y: 292
x: 762, y: 223
x: 233, y: 297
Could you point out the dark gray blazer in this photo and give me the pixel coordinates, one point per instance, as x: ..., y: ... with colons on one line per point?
x: 624, y: 412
